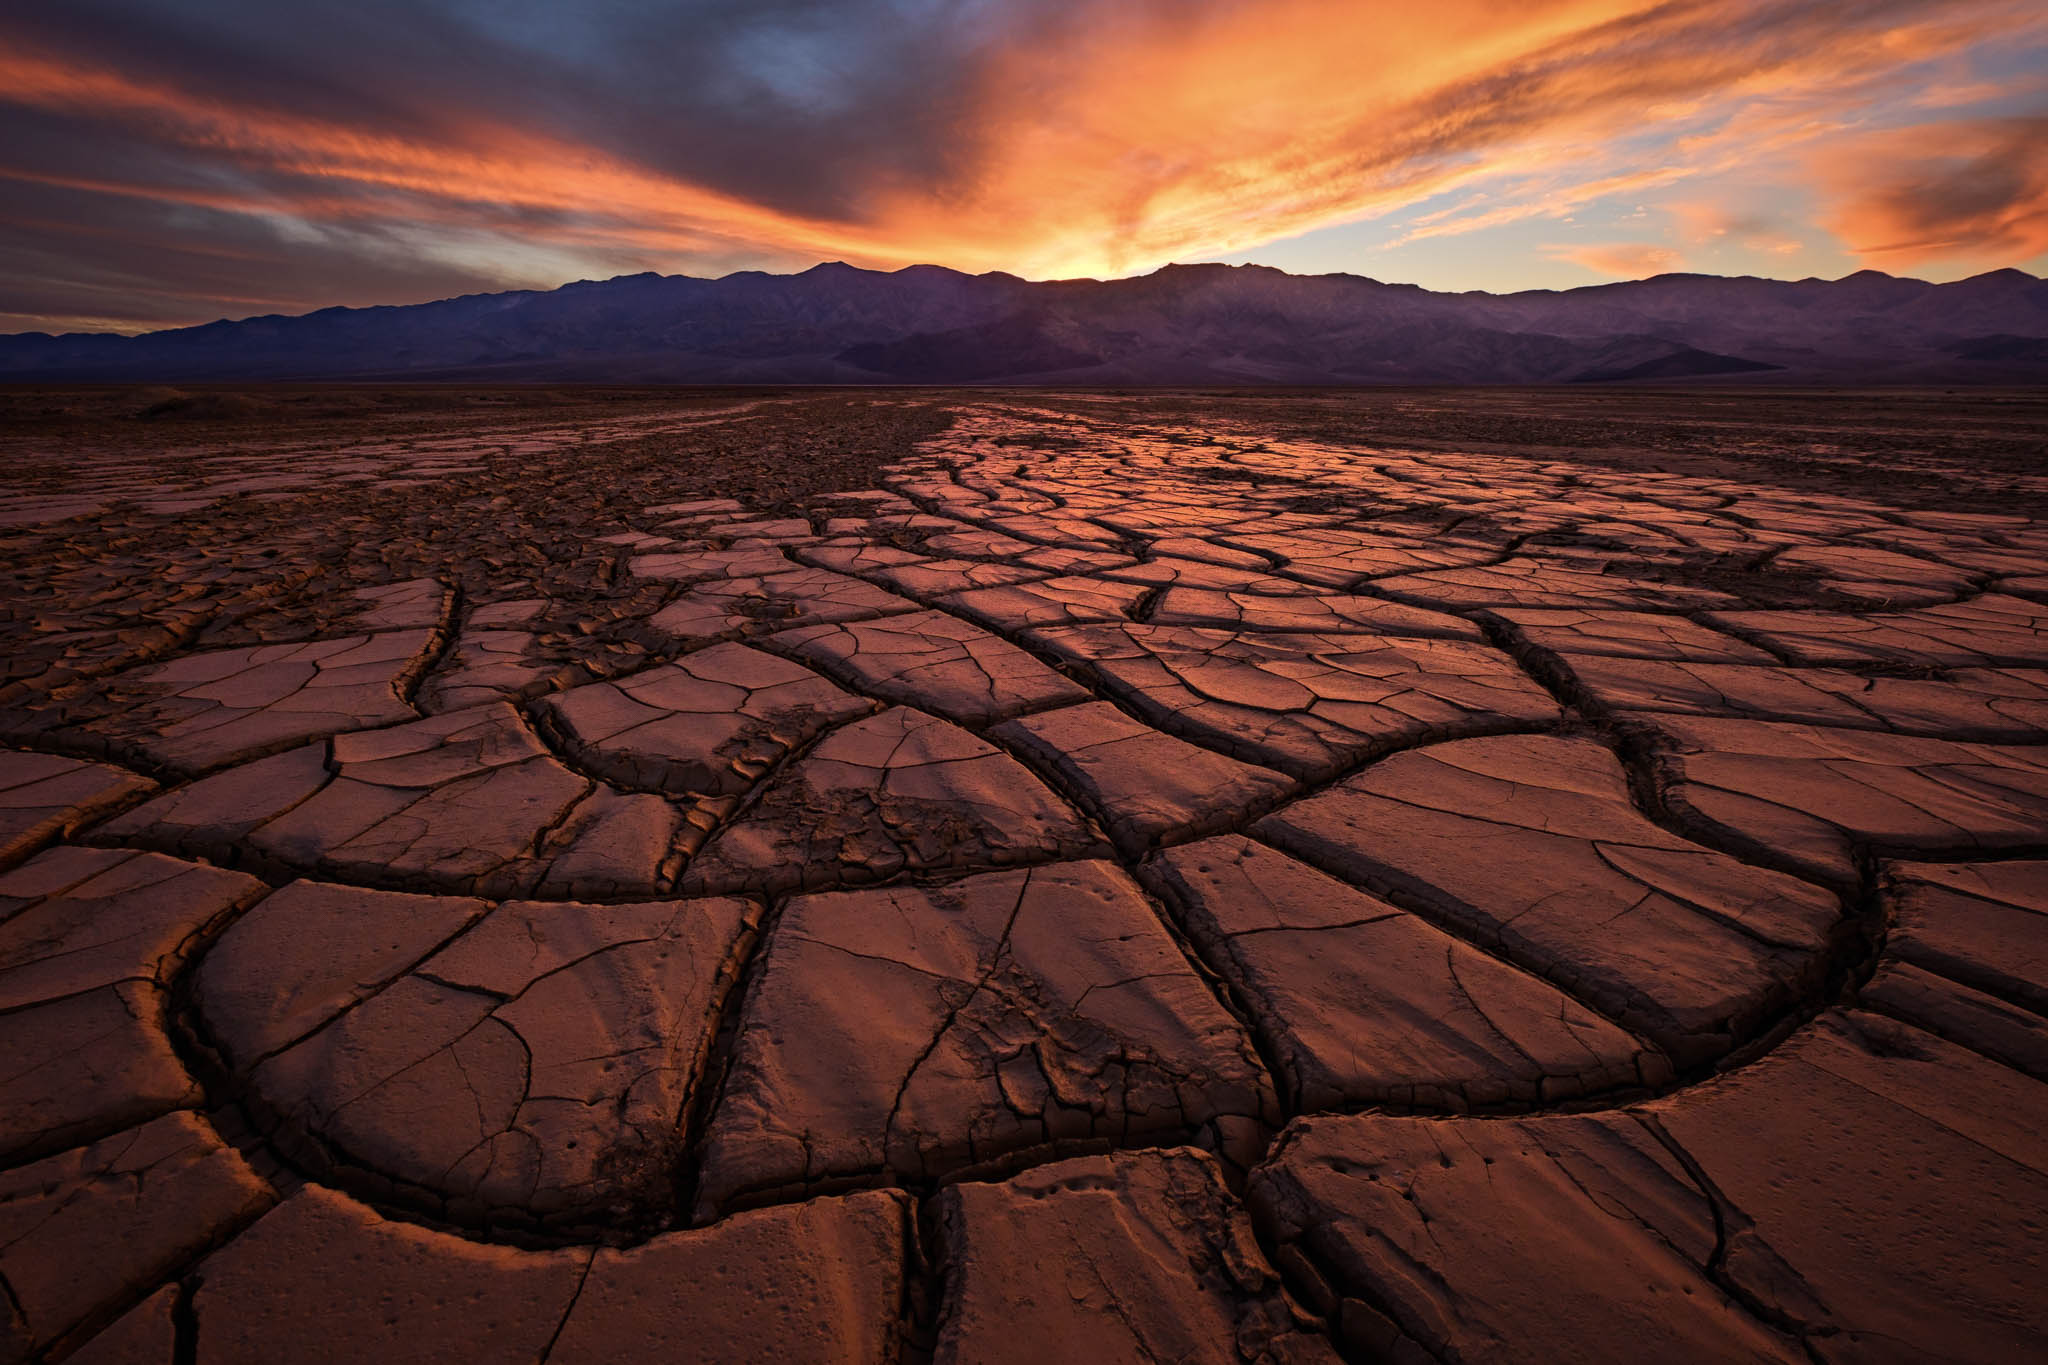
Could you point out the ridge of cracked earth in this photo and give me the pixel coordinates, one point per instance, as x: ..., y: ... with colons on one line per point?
x: 1107, y: 891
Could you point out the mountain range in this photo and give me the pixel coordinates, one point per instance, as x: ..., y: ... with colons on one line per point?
x: 1180, y: 325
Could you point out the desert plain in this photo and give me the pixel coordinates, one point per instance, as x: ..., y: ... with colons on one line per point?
x: 572, y: 875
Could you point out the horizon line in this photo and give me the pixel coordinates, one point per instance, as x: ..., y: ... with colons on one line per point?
x: 1867, y: 271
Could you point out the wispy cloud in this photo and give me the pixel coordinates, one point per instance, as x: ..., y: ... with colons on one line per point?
x: 1626, y: 260
x: 1703, y: 222
x: 1535, y: 200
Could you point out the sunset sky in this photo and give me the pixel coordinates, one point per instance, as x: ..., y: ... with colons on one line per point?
x: 170, y: 163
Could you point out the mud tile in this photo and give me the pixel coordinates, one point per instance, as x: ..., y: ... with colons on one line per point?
x: 78, y: 1066
x: 1359, y: 1002
x: 712, y: 722
x: 491, y: 665
x: 207, y: 709
x: 1531, y: 581
x: 507, y: 614
x: 894, y: 792
x: 852, y: 555
x: 1881, y: 577
x: 210, y: 815
x: 703, y: 507
x: 1530, y: 844
x: 415, y: 604
x: 77, y: 919
x: 1993, y: 628
x: 1076, y: 532
x: 1629, y: 635
x: 1982, y: 924
x: 85, y: 1231
x: 1318, y: 612
x: 1055, y: 559
x: 1143, y: 785
x: 984, y: 544
x: 929, y: 578
x: 1514, y: 1240
x: 45, y: 796
x: 1051, y: 601
x: 1985, y: 1023
x: 1305, y: 704
x: 1976, y: 703
x: 538, y: 1063
x: 390, y: 1291
x: 914, y: 1031
x: 1166, y: 571
x: 817, y: 1281
x: 933, y: 661
x: 759, y: 531
x: 1947, y: 1262
x: 310, y: 951
x: 1137, y: 1256
x: 699, y: 565
x: 1339, y: 556
x: 470, y: 801
x: 1813, y: 796
x: 146, y: 1334
x: 1207, y: 551
x: 761, y: 603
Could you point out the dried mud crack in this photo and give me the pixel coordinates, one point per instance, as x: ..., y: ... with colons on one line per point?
x: 905, y: 876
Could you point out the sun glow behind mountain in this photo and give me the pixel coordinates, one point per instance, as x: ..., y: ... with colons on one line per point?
x: 169, y: 164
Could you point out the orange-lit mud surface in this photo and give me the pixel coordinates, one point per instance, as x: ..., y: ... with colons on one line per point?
x: 577, y: 875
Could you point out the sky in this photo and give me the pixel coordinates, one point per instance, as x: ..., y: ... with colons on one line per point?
x: 168, y: 162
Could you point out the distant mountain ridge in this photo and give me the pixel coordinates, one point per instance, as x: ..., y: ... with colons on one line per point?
x: 1180, y: 325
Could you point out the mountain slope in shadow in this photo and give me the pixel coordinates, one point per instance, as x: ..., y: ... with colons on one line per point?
x: 1200, y: 324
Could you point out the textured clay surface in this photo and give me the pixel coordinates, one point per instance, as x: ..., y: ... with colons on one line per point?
x: 937, y: 876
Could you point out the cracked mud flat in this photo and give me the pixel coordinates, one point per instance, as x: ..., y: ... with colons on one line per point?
x: 934, y: 876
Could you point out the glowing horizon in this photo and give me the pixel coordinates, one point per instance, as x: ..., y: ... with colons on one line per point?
x: 171, y: 168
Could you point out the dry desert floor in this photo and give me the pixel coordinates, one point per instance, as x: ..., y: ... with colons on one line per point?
x: 588, y: 876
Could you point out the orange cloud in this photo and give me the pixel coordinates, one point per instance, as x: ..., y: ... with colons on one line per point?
x: 1969, y: 190
x: 1626, y: 260
x: 1280, y: 118
x: 1151, y: 132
